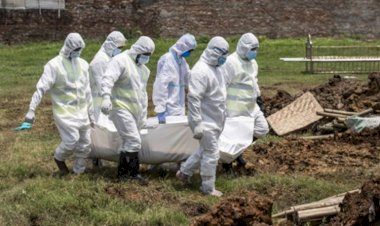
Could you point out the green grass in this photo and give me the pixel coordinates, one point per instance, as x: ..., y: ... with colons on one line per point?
x: 30, y: 195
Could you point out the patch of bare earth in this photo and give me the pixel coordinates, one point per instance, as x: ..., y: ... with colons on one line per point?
x: 248, y: 209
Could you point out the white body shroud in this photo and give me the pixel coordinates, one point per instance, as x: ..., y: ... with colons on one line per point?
x: 173, y: 141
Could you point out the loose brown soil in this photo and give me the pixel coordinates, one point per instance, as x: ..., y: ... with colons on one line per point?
x: 347, y: 150
x: 249, y: 209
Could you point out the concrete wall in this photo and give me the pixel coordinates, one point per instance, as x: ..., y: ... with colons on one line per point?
x: 272, y: 18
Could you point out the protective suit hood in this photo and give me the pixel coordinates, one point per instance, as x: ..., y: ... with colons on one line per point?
x: 143, y: 45
x: 210, y: 55
x: 183, y: 44
x: 114, y: 40
x: 246, y: 42
x: 72, y: 41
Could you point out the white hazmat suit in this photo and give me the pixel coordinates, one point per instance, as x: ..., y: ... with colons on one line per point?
x: 67, y: 79
x: 125, y: 83
x: 171, y: 78
x: 242, y: 84
x: 207, y: 113
x: 109, y: 49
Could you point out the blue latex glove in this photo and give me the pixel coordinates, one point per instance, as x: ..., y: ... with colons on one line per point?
x: 24, y: 126
x: 161, y: 117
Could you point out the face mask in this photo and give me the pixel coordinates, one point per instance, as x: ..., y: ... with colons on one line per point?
x: 116, y: 51
x: 221, y: 60
x: 186, y: 54
x: 142, y: 59
x: 251, y: 55
x: 74, y: 54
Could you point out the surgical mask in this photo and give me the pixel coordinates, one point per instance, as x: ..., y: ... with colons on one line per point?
x: 142, y: 59
x: 74, y: 54
x: 186, y: 54
x: 251, y: 55
x: 221, y: 60
x: 116, y: 51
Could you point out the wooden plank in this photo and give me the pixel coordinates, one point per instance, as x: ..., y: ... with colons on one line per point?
x: 331, y: 115
x: 330, y: 202
x: 321, y: 203
x: 340, y: 112
x: 319, y: 137
x: 297, y: 115
x: 314, y: 205
x: 318, y: 213
x: 365, y: 112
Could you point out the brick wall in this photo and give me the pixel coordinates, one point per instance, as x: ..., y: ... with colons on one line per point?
x: 272, y: 18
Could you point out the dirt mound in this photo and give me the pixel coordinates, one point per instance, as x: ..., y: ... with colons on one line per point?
x: 249, y: 209
x: 337, y: 93
x: 347, y: 94
x: 317, y: 156
x: 360, y: 208
x: 278, y: 102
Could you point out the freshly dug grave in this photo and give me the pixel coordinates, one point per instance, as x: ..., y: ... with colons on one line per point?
x: 338, y: 93
x: 345, y: 150
x: 247, y: 209
x: 360, y: 208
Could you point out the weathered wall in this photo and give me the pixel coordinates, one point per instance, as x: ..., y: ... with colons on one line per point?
x: 272, y: 18
x: 91, y: 18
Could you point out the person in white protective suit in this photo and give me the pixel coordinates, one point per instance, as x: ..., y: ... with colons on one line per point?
x: 125, y: 100
x: 207, y: 113
x: 111, y: 47
x: 171, y: 78
x: 66, y: 77
x: 243, y: 92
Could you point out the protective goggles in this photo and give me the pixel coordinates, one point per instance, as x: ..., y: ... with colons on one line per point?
x: 221, y: 51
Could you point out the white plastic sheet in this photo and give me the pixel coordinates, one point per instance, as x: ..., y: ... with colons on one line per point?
x: 235, y: 138
x: 171, y: 142
x: 357, y: 124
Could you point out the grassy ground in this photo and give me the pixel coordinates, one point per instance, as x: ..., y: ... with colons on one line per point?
x: 30, y: 195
